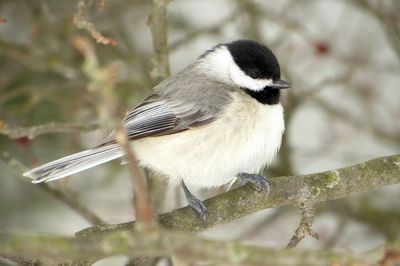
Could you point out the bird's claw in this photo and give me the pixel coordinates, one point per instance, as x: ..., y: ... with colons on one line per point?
x: 196, y: 204
x: 260, y: 182
x: 199, y: 207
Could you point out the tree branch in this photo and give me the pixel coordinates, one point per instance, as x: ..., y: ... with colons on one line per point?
x: 286, y: 190
x: 160, y: 70
x: 34, y: 131
x: 158, y: 25
x: 185, y: 246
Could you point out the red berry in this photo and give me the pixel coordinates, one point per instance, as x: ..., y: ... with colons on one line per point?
x: 321, y: 48
x: 23, y: 142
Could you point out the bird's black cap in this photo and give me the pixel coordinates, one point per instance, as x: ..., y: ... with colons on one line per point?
x: 255, y: 59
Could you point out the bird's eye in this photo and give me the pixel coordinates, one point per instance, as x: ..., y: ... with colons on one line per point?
x: 255, y: 74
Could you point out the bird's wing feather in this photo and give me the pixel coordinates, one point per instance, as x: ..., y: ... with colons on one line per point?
x: 159, y: 115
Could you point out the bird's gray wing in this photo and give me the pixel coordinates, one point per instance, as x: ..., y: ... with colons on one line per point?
x: 160, y: 115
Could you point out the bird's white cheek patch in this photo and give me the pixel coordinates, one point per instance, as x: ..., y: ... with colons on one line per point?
x: 244, y: 81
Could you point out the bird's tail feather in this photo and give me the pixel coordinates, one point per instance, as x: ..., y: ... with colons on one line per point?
x: 74, y: 163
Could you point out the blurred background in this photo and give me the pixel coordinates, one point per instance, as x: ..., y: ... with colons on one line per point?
x: 341, y: 57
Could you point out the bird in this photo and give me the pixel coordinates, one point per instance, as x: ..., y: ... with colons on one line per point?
x: 217, y: 121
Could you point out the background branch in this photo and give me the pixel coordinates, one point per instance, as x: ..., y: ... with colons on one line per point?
x: 159, y: 71
x: 158, y: 25
x: 80, y: 21
x: 183, y: 245
x: 64, y: 195
x: 34, y: 131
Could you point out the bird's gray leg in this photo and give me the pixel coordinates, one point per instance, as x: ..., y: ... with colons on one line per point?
x: 194, y: 203
x: 260, y: 182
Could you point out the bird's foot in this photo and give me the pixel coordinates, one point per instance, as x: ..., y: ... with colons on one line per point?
x: 196, y: 204
x: 260, y: 182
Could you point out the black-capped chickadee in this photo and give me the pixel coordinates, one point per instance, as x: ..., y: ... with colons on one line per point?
x: 217, y: 120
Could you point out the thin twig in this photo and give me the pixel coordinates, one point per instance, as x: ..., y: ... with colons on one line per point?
x: 32, y: 132
x: 80, y: 22
x: 65, y: 195
x: 141, y: 198
x: 305, y: 226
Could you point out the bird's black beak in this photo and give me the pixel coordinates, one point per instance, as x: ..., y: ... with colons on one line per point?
x: 280, y: 84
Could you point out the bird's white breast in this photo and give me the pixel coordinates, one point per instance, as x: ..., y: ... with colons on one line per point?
x: 245, y: 138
